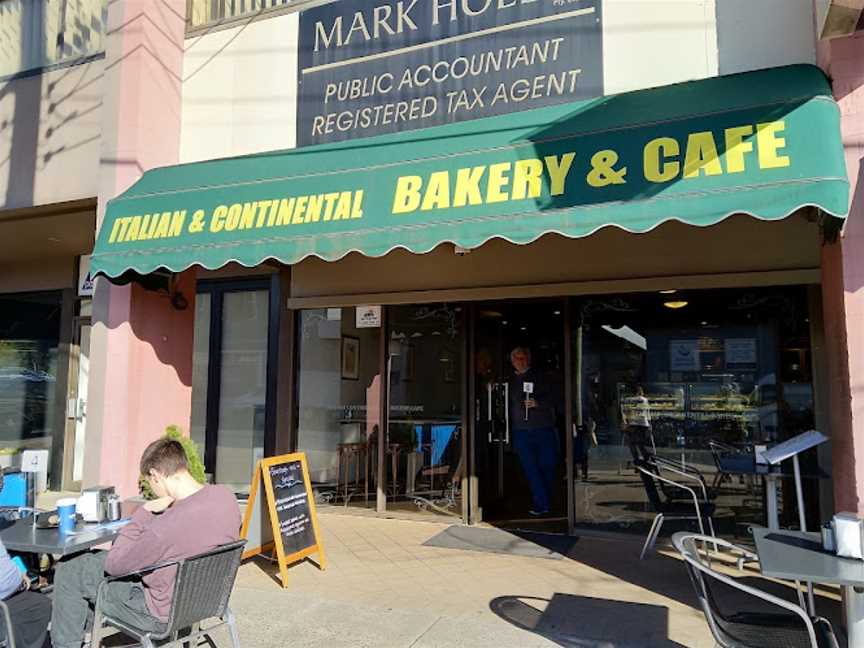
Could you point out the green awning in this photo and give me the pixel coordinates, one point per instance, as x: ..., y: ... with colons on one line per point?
x: 761, y: 143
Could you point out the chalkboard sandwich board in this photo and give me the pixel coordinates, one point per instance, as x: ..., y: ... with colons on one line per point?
x: 290, y: 506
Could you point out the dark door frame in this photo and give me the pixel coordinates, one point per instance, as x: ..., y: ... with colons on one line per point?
x: 217, y: 288
x: 471, y: 502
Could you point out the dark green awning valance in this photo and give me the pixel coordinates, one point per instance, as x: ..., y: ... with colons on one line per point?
x: 761, y: 143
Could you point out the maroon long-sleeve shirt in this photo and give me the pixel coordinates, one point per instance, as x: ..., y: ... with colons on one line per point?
x: 193, y: 525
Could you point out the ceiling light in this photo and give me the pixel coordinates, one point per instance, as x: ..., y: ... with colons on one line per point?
x: 523, y: 328
x: 674, y: 305
x: 668, y: 292
x: 557, y: 312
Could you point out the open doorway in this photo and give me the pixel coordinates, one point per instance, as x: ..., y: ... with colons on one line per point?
x: 520, y: 460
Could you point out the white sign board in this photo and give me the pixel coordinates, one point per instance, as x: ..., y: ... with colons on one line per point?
x: 793, y: 446
x: 85, y: 280
x: 684, y: 355
x: 368, y: 317
x: 740, y: 350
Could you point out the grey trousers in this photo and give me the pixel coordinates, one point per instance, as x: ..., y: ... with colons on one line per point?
x: 75, y: 586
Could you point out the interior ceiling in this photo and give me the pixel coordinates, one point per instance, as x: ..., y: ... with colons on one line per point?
x: 46, y: 236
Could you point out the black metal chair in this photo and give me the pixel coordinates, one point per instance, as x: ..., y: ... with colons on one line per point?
x: 686, y: 497
x: 7, y: 637
x: 729, y: 460
x: 772, y: 623
x: 201, y: 592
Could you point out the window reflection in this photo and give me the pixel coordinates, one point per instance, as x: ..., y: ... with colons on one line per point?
x: 339, y: 404
x: 243, y: 390
x: 725, y: 372
x: 29, y: 335
x: 425, y: 463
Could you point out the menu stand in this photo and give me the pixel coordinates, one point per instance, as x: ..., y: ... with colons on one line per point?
x: 791, y: 449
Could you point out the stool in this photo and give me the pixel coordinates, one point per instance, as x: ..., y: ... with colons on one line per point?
x: 348, y: 453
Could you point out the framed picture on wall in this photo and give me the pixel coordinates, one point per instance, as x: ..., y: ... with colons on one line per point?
x: 350, y: 358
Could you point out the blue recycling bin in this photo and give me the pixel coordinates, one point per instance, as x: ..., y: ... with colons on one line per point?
x: 14, y: 491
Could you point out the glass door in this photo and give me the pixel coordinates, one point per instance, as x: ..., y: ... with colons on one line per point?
x: 231, y: 376
x: 520, y: 457
x: 80, y: 401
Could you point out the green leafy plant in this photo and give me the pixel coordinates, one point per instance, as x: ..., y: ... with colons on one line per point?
x: 193, y: 461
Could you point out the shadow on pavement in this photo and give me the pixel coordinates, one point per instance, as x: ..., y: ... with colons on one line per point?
x: 586, y: 622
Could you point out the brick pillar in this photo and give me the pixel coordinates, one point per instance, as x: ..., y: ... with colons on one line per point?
x: 843, y: 282
x: 141, y: 346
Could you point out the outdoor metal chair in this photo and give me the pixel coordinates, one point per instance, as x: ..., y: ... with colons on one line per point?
x: 7, y: 637
x: 689, y: 485
x: 786, y: 625
x: 729, y: 459
x: 201, y: 592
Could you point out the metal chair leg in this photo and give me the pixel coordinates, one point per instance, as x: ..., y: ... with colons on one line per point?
x: 713, y: 534
x: 231, y: 620
x: 652, y: 535
x: 96, y: 630
x: 193, y: 633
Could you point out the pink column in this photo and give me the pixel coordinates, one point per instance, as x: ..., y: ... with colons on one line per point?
x: 843, y: 282
x: 141, y: 347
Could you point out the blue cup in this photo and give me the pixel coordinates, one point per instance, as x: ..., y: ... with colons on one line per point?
x: 66, y: 513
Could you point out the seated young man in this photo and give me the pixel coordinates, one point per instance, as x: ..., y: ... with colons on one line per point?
x: 186, y: 519
x: 29, y: 611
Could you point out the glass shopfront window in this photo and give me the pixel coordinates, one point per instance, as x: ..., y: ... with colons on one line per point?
x: 692, y: 376
x: 339, y: 399
x: 424, y: 449
x: 29, y: 338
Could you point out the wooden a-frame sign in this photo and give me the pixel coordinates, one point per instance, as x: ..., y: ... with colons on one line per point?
x: 290, y: 504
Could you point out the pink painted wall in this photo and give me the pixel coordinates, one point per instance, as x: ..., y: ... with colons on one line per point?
x: 141, y: 349
x: 843, y: 281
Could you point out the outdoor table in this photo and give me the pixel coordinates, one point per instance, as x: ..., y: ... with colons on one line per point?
x: 796, y: 556
x: 24, y: 537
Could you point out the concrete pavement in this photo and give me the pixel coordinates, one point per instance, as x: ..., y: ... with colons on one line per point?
x: 384, y: 588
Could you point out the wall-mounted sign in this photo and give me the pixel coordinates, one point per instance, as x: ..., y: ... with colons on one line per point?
x: 740, y: 350
x: 368, y: 317
x: 684, y: 355
x: 367, y: 68
x: 85, y: 279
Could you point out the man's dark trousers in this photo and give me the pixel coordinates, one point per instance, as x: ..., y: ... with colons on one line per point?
x: 30, y: 613
x: 538, y: 454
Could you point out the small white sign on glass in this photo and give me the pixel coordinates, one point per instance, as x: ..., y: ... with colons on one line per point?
x: 368, y: 317
x: 85, y: 279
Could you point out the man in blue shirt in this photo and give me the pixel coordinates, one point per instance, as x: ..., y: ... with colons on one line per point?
x: 30, y: 611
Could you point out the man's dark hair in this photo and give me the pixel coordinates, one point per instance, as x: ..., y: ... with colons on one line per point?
x: 165, y: 456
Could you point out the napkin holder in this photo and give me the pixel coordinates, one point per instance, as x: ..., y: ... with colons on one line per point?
x: 849, y: 535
